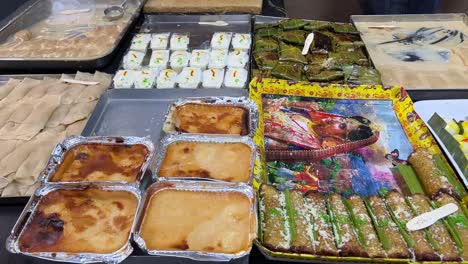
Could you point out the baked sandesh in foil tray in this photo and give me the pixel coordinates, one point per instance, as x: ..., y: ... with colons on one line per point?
x: 203, y: 221
x: 211, y: 119
x: 91, y: 220
x: 225, y: 161
x: 102, y: 162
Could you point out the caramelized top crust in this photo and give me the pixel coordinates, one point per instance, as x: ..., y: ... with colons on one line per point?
x: 202, y: 221
x: 80, y: 221
x: 101, y: 162
x: 220, y: 161
x: 211, y: 119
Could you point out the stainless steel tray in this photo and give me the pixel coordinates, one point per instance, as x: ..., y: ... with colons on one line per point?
x: 36, y: 10
x: 130, y: 112
x: 413, y: 85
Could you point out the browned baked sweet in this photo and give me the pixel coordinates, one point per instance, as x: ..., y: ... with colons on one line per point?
x: 78, y: 221
x: 220, y: 161
x: 197, y: 220
x: 211, y: 119
x: 101, y: 162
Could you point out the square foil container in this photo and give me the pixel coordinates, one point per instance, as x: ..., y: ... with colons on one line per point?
x: 173, y: 138
x: 12, y: 242
x: 244, y: 102
x: 61, y: 149
x: 198, y: 186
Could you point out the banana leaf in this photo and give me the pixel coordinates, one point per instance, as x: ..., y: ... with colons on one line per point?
x: 318, y: 25
x: 265, y: 44
x: 296, y: 37
x: 291, y: 53
x: 344, y: 28
x: 288, y: 71
x: 268, y: 32
x: 289, y: 24
x: 266, y: 60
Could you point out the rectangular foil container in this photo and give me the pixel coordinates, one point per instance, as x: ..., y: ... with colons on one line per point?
x: 198, y: 186
x: 12, y: 242
x: 60, y: 150
x: 173, y: 138
x: 243, y: 102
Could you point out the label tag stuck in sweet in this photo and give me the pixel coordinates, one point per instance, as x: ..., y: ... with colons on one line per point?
x: 427, y: 219
x: 307, y: 43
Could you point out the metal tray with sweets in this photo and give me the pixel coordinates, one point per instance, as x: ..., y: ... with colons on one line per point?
x: 243, y: 102
x: 338, y: 65
x: 421, y: 52
x: 174, y: 138
x: 199, y: 29
x: 197, y: 186
x: 61, y: 149
x: 12, y: 242
x: 61, y: 23
x: 141, y: 113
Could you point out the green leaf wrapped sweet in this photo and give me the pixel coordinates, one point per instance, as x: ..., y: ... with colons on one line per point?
x: 296, y: 37
x: 268, y: 32
x: 324, y: 243
x: 344, y: 28
x: 290, y: 24
x: 392, y: 241
x: 446, y: 246
x: 318, y: 25
x: 314, y: 73
x: 358, y: 75
x: 345, y: 236
x: 288, y: 71
x: 275, y: 227
x: 265, y: 44
x: 423, y: 247
x: 266, y: 60
x: 349, y: 55
x: 291, y: 53
x: 317, y: 58
x: 261, y: 74
x: 363, y: 223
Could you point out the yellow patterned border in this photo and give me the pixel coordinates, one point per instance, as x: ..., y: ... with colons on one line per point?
x: 414, y: 127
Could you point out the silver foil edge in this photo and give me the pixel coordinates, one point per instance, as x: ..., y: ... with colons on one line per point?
x: 198, y: 186
x: 244, y: 102
x: 12, y: 242
x: 207, y: 138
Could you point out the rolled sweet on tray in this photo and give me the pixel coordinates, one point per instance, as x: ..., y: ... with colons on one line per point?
x: 302, y: 242
x: 324, y: 243
x: 458, y: 221
x: 363, y: 224
x: 430, y: 175
x: 346, y: 238
x: 446, y: 246
x: 392, y: 241
x: 422, y: 247
x: 276, y: 235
